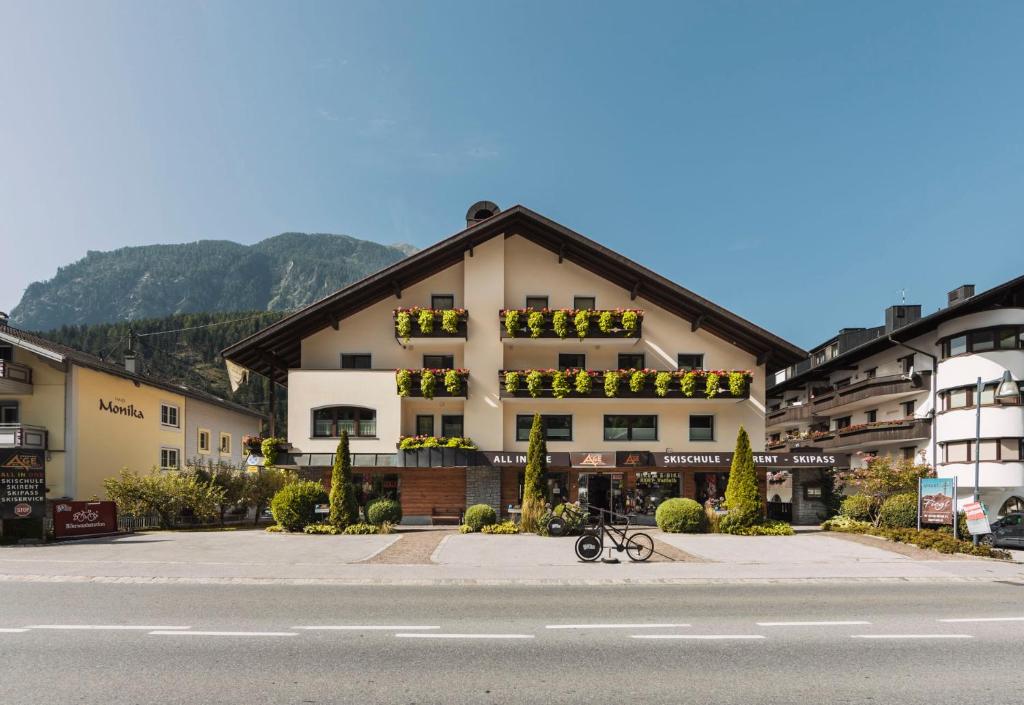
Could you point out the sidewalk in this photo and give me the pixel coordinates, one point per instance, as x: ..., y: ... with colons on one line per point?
x: 257, y: 557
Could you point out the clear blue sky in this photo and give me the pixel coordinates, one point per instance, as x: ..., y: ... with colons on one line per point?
x: 796, y: 162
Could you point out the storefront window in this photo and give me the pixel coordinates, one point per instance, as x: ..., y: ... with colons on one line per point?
x: 652, y: 488
x: 555, y: 486
x: 711, y: 487
x: 371, y: 486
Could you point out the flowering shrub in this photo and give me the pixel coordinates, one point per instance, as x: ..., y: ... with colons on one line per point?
x: 611, y: 383
x: 662, y: 380
x: 711, y: 382
x: 584, y: 382
x: 605, y: 322
x: 535, y: 322
x: 450, y: 321
x: 688, y: 383
x: 630, y: 321
x: 559, y: 384
x: 534, y: 381
x: 560, y: 323
x: 428, y: 384
x: 418, y: 442
x: 511, y: 381
x: 511, y: 322
x: 637, y: 380
x: 403, y: 325
x: 404, y: 380
x: 580, y: 382
x: 453, y: 382
x: 538, y: 321
x: 582, y: 322
x: 425, y: 320
x: 737, y: 383
x: 505, y: 527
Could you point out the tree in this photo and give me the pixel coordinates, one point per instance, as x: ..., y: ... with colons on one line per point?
x: 344, y: 507
x: 261, y: 486
x: 884, y: 477
x: 533, y: 493
x: 223, y: 475
x: 164, y: 493
x: 742, y: 498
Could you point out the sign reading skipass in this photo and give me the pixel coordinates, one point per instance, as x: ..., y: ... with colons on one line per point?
x: 22, y: 484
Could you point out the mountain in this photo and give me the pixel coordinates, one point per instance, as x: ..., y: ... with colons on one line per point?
x: 276, y: 274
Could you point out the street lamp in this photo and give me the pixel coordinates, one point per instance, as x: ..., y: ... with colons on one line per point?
x: 1006, y: 392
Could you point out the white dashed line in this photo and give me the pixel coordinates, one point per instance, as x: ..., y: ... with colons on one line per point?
x: 615, y: 626
x: 465, y: 636
x: 810, y: 624
x: 367, y: 628
x: 180, y: 633
x: 912, y: 636
x: 705, y: 637
x: 12, y: 631
x: 104, y: 627
x: 983, y: 619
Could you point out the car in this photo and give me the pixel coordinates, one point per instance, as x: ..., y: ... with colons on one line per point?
x: 1007, y: 532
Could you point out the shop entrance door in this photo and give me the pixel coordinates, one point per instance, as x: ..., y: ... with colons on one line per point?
x: 599, y: 493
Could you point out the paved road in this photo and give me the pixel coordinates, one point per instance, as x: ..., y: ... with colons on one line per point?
x: 250, y: 644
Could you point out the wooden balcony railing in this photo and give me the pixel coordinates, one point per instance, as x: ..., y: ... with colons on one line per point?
x: 624, y: 384
x: 570, y: 324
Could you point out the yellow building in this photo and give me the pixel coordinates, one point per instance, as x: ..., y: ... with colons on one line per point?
x: 92, y: 418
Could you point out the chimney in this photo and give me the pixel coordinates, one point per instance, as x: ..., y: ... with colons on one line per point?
x: 961, y: 293
x: 3, y: 318
x: 129, y: 362
x: 481, y: 211
x: 898, y: 316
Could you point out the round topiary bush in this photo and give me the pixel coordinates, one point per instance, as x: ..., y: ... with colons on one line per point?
x: 681, y: 516
x: 480, y: 515
x: 858, y: 507
x: 294, y: 504
x: 384, y: 510
x: 899, y: 512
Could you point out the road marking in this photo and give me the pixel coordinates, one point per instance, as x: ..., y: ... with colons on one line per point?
x: 912, y: 636
x: 422, y: 635
x: 984, y: 619
x: 698, y: 636
x: 179, y: 633
x: 103, y: 627
x: 366, y: 628
x: 615, y: 626
x: 809, y: 624
x: 12, y: 631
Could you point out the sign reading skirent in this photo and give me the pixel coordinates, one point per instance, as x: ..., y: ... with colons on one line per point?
x: 936, y: 500
x: 22, y: 483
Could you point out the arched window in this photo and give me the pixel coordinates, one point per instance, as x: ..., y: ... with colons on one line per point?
x: 329, y: 422
x: 1013, y: 504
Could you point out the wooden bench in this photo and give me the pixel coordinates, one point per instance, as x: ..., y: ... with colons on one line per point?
x: 446, y: 515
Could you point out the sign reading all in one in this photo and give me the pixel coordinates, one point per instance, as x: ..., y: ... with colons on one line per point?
x: 22, y: 484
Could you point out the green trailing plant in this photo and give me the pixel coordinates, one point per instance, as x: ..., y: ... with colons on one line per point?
x: 581, y: 320
x: 584, y: 382
x: 630, y: 321
x: 404, y: 380
x: 535, y: 323
x: 512, y: 322
x: 688, y: 384
x: 511, y: 381
x: 344, y: 506
x: 611, y: 383
x: 606, y: 321
x: 479, y: 516
x: 737, y: 384
x: 450, y: 321
x: 425, y: 321
x: 742, y: 498
x: 417, y: 442
x: 637, y: 380
x: 534, y: 382
x: 403, y: 325
x: 560, y: 388
x: 428, y: 383
x: 662, y: 382
x: 681, y: 516
x: 711, y: 382
x: 453, y: 382
x: 533, y: 478
x: 269, y: 450
x: 560, y: 323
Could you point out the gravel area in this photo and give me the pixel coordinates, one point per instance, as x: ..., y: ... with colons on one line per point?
x: 413, y: 547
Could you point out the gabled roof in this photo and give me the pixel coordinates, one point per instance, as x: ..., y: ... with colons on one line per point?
x: 276, y: 348
x: 63, y: 354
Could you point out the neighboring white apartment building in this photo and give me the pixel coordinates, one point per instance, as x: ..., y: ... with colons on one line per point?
x: 345, y: 362
x: 908, y: 389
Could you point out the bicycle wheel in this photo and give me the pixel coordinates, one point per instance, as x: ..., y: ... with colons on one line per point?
x: 588, y: 547
x: 639, y: 547
x: 556, y: 526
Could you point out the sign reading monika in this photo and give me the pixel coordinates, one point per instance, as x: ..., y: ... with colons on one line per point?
x: 22, y: 483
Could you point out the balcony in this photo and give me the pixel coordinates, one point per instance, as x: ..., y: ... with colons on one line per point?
x: 16, y: 435
x: 789, y: 415
x: 429, y: 383
x: 567, y: 324
x: 867, y: 434
x: 15, y: 378
x: 428, y: 323
x: 867, y: 392
x: 623, y: 384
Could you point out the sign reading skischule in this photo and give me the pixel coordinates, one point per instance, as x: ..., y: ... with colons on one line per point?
x: 22, y: 484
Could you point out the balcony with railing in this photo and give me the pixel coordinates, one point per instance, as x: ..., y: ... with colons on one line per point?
x: 18, y: 435
x: 15, y: 378
x: 796, y: 413
x: 428, y: 383
x: 571, y: 324
x: 624, y: 384
x: 425, y: 324
x: 866, y: 434
x: 868, y: 392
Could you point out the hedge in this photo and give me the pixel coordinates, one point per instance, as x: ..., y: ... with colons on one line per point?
x: 681, y: 516
x: 479, y: 516
x: 899, y: 512
x: 383, y: 510
x: 294, y: 504
x: 858, y: 507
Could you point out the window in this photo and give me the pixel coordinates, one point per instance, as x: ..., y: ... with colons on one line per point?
x: 355, y: 361
x: 225, y: 443
x: 871, y: 416
x: 819, y: 357
x: 581, y: 302
x: 958, y: 398
x: 690, y: 361
x: 844, y: 382
x: 452, y: 425
x: 424, y: 425
x: 908, y: 408
x: 871, y: 374
x: 906, y: 364
x: 204, y: 441
x: 536, y: 302
x: 631, y: 361
x: 169, y: 415
x: 7, y: 353
x: 444, y: 362
x: 958, y: 452
x: 842, y: 422
x: 908, y: 452
x: 557, y: 427
x: 1008, y: 338
x: 442, y: 302
x: 9, y: 411
x: 1012, y: 505
x: 168, y: 458
x: 1010, y: 448
x: 956, y: 346
x: 983, y: 340
x: 620, y: 427
x: 330, y: 422
x: 568, y: 361
x: 702, y: 427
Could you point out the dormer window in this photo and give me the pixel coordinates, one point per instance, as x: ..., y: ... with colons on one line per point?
x: 536, y: 302
x: 442, y: 302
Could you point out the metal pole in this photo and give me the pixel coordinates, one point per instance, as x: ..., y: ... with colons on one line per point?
x: 977, y: 448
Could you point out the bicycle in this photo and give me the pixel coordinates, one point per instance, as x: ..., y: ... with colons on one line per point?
x: 572, y: 520
x: 638, y: 546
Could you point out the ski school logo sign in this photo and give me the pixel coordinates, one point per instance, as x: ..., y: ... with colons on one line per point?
x: 121, y: 407
x: 22, y: 483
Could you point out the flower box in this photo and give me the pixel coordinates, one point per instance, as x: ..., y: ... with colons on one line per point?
x: 565, y: 323
x: 427, y: 383
x: 418, y: 322
x: 624, y: 384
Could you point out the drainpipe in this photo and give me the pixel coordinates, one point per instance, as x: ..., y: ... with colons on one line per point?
x: 935, y: 397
